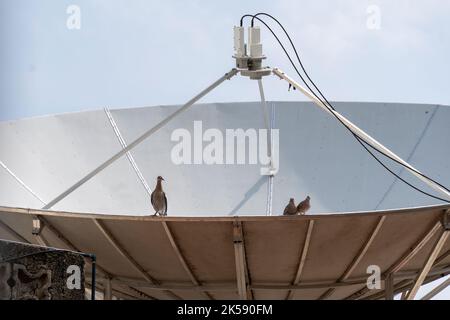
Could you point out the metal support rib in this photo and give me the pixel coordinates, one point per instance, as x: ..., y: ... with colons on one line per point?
x: 133, y: 144
x: 182, y: 260
x: 21, y: 182
x: 304, y: 285
x: 242, y: 274
x: 443, y: 256
x: 363, y: 135
x: 404, y: 285
x: 428, y: 264
x: 129, y: 155
x: 113, y: 241
x: 45, y: 222
x: 302, y: 260
x: 412, y: 253
x: 407, y: 256
x: 357, y: 258
x: 12, y: 232
x: 399, y: 287
x: 437, y: 290
x: 27, y: 188
x: 69, y: 244
x: 148, y: 190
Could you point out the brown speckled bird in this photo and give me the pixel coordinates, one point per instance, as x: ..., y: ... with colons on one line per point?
x: 304, y: 206
x: 290, y: 209
x: 158, y: 198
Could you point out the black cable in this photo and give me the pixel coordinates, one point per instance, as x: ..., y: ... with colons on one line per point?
x: 329, y: 106
x: 296, y: 53
x: 244, y: 16
x: 285, y: 51
x: 363, y: 143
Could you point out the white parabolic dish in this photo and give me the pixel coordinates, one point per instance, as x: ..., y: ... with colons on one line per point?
x: 318, y: 157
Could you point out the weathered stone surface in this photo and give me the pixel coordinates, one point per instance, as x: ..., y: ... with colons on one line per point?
x: 30, y: 272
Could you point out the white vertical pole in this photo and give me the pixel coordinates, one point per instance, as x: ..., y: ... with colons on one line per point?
x: 268, y: 124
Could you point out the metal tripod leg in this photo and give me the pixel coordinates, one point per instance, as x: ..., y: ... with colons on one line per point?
x: 268, y: 125
x: 144, y: 136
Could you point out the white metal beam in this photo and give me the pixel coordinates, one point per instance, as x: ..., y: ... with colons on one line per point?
x: 362, y: 134
x: 181, y: 258
x: 38, y: 237
x: 358, y: 257
x: 71, y: 246
x: 124, y: 253
x: 137, y: 141
x: 412, y: 252
x: 23, y: 184
x: 232, y: 286
x: 428, y: 264
x: 407, y: 256
x: 302, y: 260
x: 380, y: 295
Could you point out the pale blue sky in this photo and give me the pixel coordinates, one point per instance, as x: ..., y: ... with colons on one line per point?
x: 142, y: 53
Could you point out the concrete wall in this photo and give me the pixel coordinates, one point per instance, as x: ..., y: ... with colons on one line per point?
x: 29, y: 272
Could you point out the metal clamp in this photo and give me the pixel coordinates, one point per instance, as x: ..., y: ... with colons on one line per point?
x: 38, y: 225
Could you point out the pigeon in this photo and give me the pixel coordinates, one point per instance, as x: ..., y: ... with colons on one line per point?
x: 158, y: 198
x: 290, y: 209
x: 304, y: 206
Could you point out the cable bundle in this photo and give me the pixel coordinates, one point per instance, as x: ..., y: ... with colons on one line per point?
x: 331, y: 109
